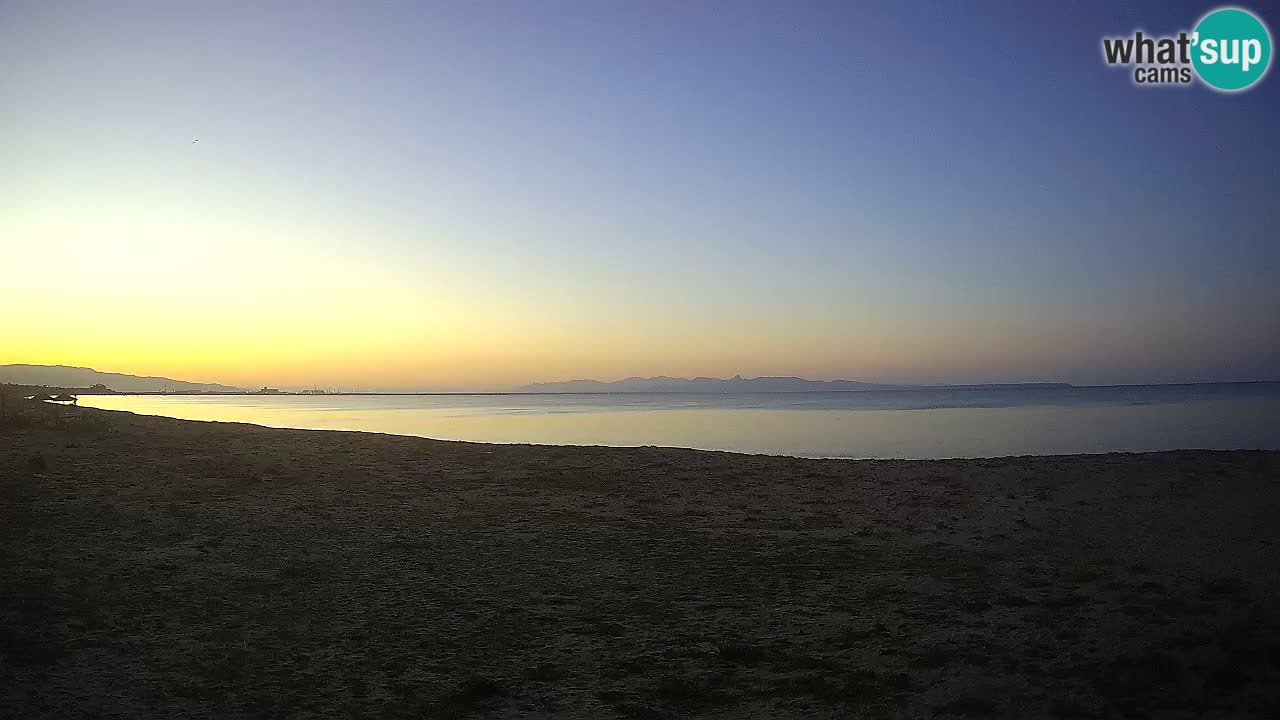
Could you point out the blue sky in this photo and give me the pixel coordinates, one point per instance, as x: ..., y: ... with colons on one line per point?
x: 490, y: 193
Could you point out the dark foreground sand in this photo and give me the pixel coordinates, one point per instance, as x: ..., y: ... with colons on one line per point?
x: 167, y: 569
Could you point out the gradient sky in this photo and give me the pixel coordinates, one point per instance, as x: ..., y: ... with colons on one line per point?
x: 482, y: 194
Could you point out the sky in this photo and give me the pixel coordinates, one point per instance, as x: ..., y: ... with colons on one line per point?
x: 476, y: 195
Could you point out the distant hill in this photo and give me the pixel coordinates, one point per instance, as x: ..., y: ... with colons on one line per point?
x: 81, y: 377
x: 738, y: 384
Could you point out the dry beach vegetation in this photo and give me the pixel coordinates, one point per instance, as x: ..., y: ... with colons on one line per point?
x: 161, y: 568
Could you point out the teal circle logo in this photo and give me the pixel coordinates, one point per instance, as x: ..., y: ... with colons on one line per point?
x: 1232, y: 49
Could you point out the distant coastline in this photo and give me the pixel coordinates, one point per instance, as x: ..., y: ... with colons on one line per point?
x: 64, y: 376
x: 738, y: 384
x: 26, y: 379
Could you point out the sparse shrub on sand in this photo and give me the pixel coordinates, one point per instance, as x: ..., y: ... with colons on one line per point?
x: 37, y: 464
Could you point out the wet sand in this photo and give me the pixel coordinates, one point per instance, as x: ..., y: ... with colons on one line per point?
x: 163, y: 568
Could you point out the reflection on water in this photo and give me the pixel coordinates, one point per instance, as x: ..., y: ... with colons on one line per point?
x: 908, y: 424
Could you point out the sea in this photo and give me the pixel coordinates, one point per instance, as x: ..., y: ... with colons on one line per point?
x: 928, y: 423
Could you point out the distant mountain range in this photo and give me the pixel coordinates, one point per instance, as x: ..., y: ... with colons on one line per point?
x: 738, y: 384
x: 62, y: 376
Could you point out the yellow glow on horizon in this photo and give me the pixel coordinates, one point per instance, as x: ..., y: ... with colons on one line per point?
x: 247, y: 301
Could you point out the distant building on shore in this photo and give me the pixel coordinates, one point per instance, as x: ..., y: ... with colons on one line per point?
x: 269, y: 391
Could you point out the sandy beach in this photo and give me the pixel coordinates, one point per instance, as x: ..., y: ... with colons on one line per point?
x: 173, y: 569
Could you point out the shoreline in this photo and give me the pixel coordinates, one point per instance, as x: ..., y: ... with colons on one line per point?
x: 809, y: 427
x: 747, y: 454
x: 168, y: 568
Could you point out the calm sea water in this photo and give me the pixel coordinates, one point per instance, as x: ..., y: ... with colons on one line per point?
x: 892, y: 424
